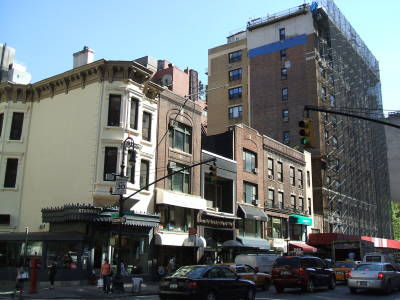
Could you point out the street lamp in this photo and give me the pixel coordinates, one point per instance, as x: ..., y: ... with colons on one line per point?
x: 128, y: 143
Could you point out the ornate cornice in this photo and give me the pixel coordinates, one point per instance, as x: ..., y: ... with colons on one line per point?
x: 98, y: 71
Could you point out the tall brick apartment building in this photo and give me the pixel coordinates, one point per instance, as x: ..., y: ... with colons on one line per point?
x: 310, y: 55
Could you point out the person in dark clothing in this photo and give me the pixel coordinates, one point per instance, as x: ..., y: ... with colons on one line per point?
x: 52, y: 274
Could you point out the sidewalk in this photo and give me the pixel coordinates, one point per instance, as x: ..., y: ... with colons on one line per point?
x: 77, y: 292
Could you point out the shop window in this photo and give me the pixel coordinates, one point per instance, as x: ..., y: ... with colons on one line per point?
x: 250, y: 228
x: 180, y: 181
x: 277, y: 227
x: 146, y: 126
x: 175, y: 218
x: 66, y: 255
x: 181, y: 137
x: 114, y: 110
x: 133, y: 119
x: 16, y: 126
x: 144, y: 173
x: 249, y: 160
x: 110, y: 163
x: 298, y: 232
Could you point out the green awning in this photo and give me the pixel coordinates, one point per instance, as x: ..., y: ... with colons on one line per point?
x: 297, y: 219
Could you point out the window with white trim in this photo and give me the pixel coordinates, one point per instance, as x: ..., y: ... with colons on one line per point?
x: 16, y: 126
x: 114, y: 110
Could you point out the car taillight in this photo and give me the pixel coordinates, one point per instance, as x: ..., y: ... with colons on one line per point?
x: 192, y: 285
x: 380, y: 275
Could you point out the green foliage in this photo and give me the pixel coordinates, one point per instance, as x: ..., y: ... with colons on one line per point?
x: 396, y: 220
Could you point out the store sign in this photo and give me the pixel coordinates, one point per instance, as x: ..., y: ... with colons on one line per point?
x: 207, y: 221
x: 297, y: 219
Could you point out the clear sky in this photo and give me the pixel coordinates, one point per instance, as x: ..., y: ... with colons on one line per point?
x: 45, y: 33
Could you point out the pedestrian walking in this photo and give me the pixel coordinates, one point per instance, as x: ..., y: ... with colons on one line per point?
x: 105, y: 272
x: 22, y: 276
x: 52, y: 273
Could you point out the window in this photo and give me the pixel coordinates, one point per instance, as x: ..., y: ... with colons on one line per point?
x: 235, y: 93
x: 300, y: 178
x: 134, y: 113
x: 175, y: 218
x: 308, y: 179
x: 235, y: 74
x: 271, y: 198
x: 110, y: 162
x: 285, y: 115
x: 280, y: 171
x: 144, y: 173
x: 181, y: 137
x: 249, y: 192
x: 293, y: 202
x: 277, y: 227
x: 249, y: 161
x: 286, y: 137
x: 235, y: 112
x: 180, y: 181
x: 114, y: 110
x: 130, y: 172
x: 10, y: 178
x: 283, y: 53
x: 284, y: 73
x: 1, y: 123
x: 282, y: 34
x: 281, y: 200
x: 250, y: 228
x: 270, y: 165
x: 146, y: 126
x: 292, y: 176
x: 309, y: 206
x: 323, y: 93
x: 301, y: 203
x: 235, y: 56
x: 285, y: 93
x: 16, y: 126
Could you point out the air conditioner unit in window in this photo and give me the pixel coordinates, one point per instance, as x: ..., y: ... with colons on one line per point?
x: 271, y: 177
x: 172, y: 165
x: 255, y: 170
x: 256, y: 202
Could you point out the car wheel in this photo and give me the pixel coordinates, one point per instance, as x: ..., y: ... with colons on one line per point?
x: 332, y: 283
x: 388, y: 288
x: 353, y: 291
x: 211, y: 296
x: 251, y: 294
x: 266, y: 285
x: 279, y: 289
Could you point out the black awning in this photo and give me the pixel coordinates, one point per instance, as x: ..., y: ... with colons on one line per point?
x: 251, y: 212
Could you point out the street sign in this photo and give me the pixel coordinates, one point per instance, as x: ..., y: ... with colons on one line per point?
x: 118, y: 220
x: 120, y: 185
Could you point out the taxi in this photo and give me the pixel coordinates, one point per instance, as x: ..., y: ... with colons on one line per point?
x: 342, y: 269
x: 262, y: 280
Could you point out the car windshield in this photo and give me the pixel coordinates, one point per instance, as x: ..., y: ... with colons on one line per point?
x: 189, y: 271
x: 291, y: 262
x: 369, y: 267
x: 344, y: 264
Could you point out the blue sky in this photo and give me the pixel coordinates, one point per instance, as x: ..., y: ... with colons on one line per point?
x: 45, y: 33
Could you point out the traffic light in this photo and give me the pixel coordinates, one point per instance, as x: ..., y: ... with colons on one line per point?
x: 213, y: 172
x: 306, y: 132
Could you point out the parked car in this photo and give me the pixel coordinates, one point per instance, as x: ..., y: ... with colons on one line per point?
x: 305, y: 272
x: 261, y: 262
x: 262, y: 280
x: 342, y: 269
x: 379, y: 276
x: 206, y: 282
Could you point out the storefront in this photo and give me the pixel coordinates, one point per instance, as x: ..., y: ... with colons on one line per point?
x: 217, y: 228
x: 80, y: 238
x: 298, y: 227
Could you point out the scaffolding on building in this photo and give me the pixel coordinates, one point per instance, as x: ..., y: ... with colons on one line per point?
x: 355, y: 191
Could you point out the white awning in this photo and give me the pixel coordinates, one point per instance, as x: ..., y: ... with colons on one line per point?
x: 179, y: 239
x: 180, y: 199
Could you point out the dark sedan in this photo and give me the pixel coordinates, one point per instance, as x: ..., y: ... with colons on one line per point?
x: 206, y: 282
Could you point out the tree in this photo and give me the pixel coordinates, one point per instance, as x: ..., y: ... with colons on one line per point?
x: 396, y: 220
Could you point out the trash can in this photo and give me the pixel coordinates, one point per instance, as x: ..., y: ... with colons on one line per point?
x: 136, y: 284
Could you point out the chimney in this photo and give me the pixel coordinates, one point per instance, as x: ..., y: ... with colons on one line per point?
x: 83, y: 57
